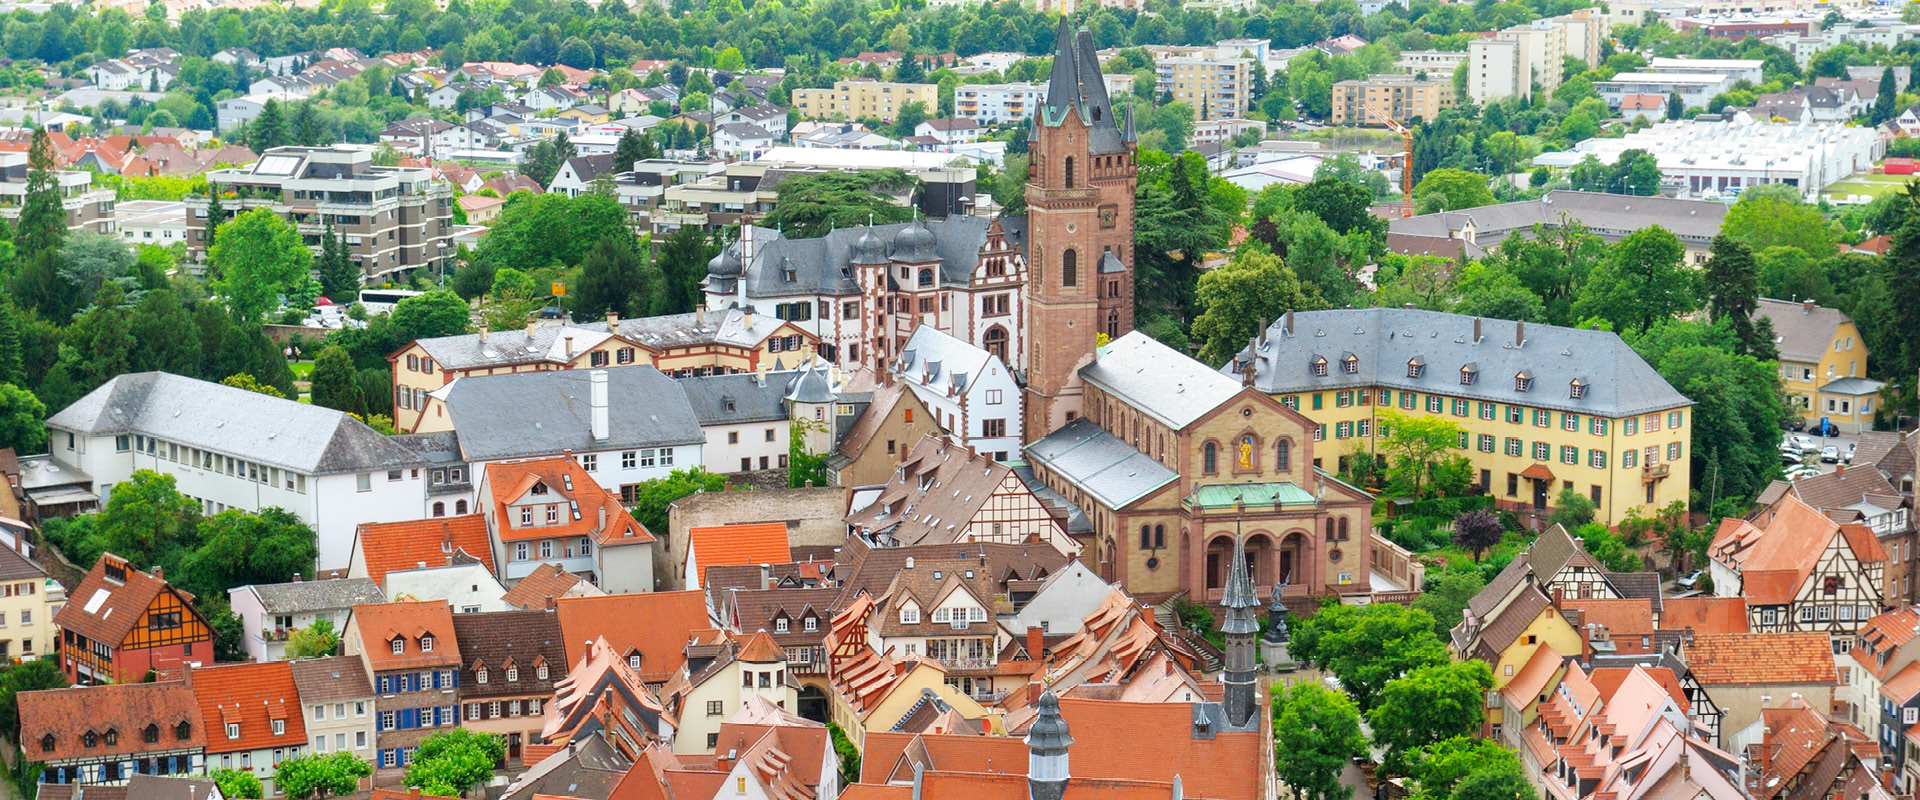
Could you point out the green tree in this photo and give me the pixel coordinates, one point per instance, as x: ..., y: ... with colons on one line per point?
x: 1733, y: 292
x: 535, y: 231
x: 651, y: 498
x: 425, y: 316
x: 1900, y: 271
x: 1445, y: 596
x: 1643, y: 283
x: 1235, y: 299
x: 1488, y: 289
x: 451, y: 762
x: 43, y: 220
x: 811, y: 205
x: 1341, y: 204
x: 333, y: 381
x: 26, y: 676
x: 270, y: 129
x: 313, y: 641
x: 216, y: 216
x: 238, y: 548
x: 909, y: 118
x: 22, y: 420
x: 1367, y: 646
x: 1449, y: 189
x: 1883, y: 101
x: 237, y: 783
x: 145, y: 517
x: 319, y: 776
x: 1735, y: 419
x: 1316, y: 735
x: 1415, y: 446
x: 245, y: 380
x: 163, y: 335
x: 683, y: 264
x: 631, y: 148
x: 1763, y: 219
x: 1430, y: 705
x: 1434, y: 770
x: 1571, y: 509
x: 259, y: 256
x: 339, y: 276
x: 1504, y: 784
x: 11, y: 368
x: 88, y: 259
x: 613, y: 278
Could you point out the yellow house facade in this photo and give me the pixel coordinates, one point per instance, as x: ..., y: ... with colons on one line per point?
x: 1823, y: 363
x: 859, y: 99
x: 1541, y: 409
x: 923, y: 675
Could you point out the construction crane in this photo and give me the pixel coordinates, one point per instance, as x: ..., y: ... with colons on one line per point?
x: 1406, y: 158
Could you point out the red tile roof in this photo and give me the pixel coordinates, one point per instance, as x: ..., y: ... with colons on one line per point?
x: 410, y: 794
x: 549, y: 580
x: 564, y: 480
x: 658, y: 624
x: 252, y: 696
x: 392, y: 546
x: 760, y: 649
x: 1774, y: 564
x: 1704, y: 614
x: 106, y: 609
x: 1107, y: 744
x: 415, y: 620
x: 125, y: 709
x: 1609, y: 679
x: 1762, y: 658
x: 754, y: 543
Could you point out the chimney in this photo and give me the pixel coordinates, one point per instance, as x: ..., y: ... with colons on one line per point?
x: 766, y: 576
x: 1289, y: 326
x: 531, y: 324
x: 613, y: 322
x: 1519, y: 333
x: 419, y: 565
x: 159, y: 572
x: 909, y: 562
x: 746, y: 317
x: 603, y: 516
x: 1036, y: 643
x: 483, y: 333
x: 296, y: 577
x: 598, y: 378
x: 1806, y: 306
x: 551, y: 603
x: 1586, y: 643
x: 1264, y: 324
x: 699, y: 316
x: 1476, y: 330
x: 569, y: 338
x: 1840, y: 469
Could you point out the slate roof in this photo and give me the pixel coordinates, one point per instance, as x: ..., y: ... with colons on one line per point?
x: 1802, y: 335
x: 1076, y: 86
x: 958, y: 483
x: 302, y: 596
x: 823, y: 265
x: 546, y: 344
x: 1610, y: 216
x: 332, y: 679
x: 1154, y: 378
x: 499, y: 639
x: 739, y: 398
x: 1618, y: 383
x: 1111, y: 470
x: 305, y: 438
x: 547, y: 412
x: 16, y: 567
x: 935, y: 361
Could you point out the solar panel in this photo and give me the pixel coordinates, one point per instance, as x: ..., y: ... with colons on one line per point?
x: 277, y: 165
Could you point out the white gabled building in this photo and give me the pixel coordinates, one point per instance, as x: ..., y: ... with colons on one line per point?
x: 970, y: 391
x: 232, y: 448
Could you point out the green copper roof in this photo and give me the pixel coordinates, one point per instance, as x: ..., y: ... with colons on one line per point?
x: 1285, y: 493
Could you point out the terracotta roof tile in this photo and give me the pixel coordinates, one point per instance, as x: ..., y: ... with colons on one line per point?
x: 258, y: 695
x: 547, y: 580
x: 754, y: 543
x: 127, y: 709
x: 1609, y: 679
x: 1623, y: 617
x: 565, y: 481
x: 106, y: 609
x: 760, y: 649
x: 1903, y: 685
x: 658, y: 624
x: 1705, y: 614
x: 1528, y: 685
x: 380, y: 624
x: 1762, y: 658
x: 393, y: 546
x: 1107, y: 744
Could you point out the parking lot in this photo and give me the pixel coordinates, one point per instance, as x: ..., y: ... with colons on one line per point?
x: 1840, y: 443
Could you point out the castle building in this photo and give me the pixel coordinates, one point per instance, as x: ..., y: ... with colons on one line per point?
x: 1033, y: 291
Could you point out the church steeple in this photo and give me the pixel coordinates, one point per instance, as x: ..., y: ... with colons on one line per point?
x: 1047, y: 742
x: 1240, y: 627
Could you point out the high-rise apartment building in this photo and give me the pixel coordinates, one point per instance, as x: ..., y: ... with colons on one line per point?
x: 1213, y: 87
x: 1512, y: 62
x: 859, y: 99
x: 395, y: 219
x: 1401, y: 96
x: 88, y: 207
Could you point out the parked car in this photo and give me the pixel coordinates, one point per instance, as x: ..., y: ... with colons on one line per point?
x: 1688, y: 582
x: 1830, y: 454
x: 1805, y: 443
x: 1849, y: 456
x: 1790, y: 457
x: 1803, y: 471
x: 1826, y: 428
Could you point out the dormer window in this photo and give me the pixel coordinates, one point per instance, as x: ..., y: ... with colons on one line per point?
x: 780, y: 625
x: 47, y: 743
x: 1577, y: 389
x: 910, y: 615
x: 633, y: 661
x: 1350, y: 364
x: 183, y: 731
x: 1468, y: 374
x: 111, y: 738
x: 1319, y: 366
x: 426, y: 644
x: 540, y: 672
x: 1523, y: 381
x: 480, y: 675
x: 279, y: 727
x: 513, y: 674
x: 233, y: 730
x: 539, y: 488
x: 810, y: 624
x: 1416, y: 367
x: 399, y: 645
x: 151, y: 735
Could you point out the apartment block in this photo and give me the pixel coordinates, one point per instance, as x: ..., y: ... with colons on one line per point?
x: 1513, y: 61
x: 89, y: 208
x: 1214, y: 87
x: 395, y: 219
x: 859, y: 99
x: 997, y: 103
x: 1401, y: 96
x: 1434, y: 63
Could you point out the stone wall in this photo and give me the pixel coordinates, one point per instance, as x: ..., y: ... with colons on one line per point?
x: 814, y: 517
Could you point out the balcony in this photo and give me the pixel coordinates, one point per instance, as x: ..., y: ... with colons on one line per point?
x: 1654, y: 472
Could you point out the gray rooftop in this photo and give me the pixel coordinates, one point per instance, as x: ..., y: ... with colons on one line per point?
x: 1611, y: 216
x: 1383, y: 341
x: 1168, y: 385
x: 745, y: 397
x: 303, y: 596
x: 1803, y: 331
x: 530, y: 414
x: 824, y: 265
x: 1109, y: 469
x: 307, y: 439
x: 545, y: 343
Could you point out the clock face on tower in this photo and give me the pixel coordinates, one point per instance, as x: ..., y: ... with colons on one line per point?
x: 1109, y: 216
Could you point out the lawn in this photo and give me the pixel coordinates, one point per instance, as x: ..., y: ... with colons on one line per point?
x: 302, y: 370
x: 1867, y: 184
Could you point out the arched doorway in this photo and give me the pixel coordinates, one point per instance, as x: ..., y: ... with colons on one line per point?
x: 996, y: 342
x: 813, y: 703
x: 1292, y: 556
x: 1261, y: 562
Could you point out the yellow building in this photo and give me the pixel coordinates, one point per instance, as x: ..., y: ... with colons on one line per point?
x: 874, y: 691
x: 1823, y: 364
x: 1215, y: 88
x: 1541, y: 408
x: 861, y: 99
x: 1400, y: 96
x: 28, y: 602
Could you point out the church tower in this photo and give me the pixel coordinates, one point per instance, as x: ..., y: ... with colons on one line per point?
x: 1080, y: 187
x: 1240, y: 625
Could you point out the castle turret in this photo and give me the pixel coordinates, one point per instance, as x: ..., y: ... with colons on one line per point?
x: 1047, y: 742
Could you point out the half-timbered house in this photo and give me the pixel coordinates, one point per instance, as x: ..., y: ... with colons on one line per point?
x: 108, y: 734
x: 1800, y: 571
x: 121, y: 622
x: 944, y: 493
